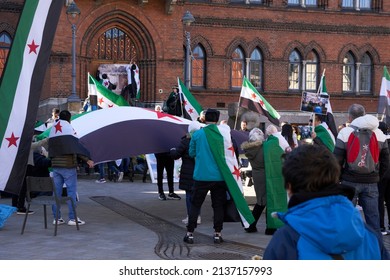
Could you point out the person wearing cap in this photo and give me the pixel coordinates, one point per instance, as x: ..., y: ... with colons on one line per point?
x: 207, y: 177
x: 175, y: 102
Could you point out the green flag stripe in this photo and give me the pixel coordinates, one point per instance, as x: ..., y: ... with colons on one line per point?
x: 190, y: 98
x: 12, y: 70
x: 268, y: 106
x: 386, y: 74
x: 216, y: 143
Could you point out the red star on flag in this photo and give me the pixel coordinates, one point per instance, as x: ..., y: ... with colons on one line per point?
x: 388, y: 93
x: 58, y: 127
x: 190, y: 111
x: 253, y: 95
x: 261, y: 103
x: 162, y: 115
x: 236, y: 172
x: 33, y: 47
x: 185, y: 103
x: 12, y: 140
x: 231, y: 149
x: 101, y: 100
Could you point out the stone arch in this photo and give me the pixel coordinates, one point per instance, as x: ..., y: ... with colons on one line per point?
x: 143, y: 42
x: 237, y: 42
x: 198, y: 39
x: 313, y: 46
x: 348, y: 48
x: 7, y: 28
x: 367, y: 48
x: 295, y: 45
x: 262, y: 46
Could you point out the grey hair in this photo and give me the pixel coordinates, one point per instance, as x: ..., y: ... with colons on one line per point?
x: 256, y: 135
x: 271, y: 129
x: 355, y: 111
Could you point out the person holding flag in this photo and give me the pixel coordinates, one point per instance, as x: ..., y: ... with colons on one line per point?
x: 64, y: 149
x: 191, y: 107
x: 322, y: 135
x: 216, y: 170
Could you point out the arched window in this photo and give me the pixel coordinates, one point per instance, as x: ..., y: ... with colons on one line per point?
x: 198, y: 67
x: 348, y: 73
x: 295, y: 71
x: 114, y: 44
x: 256, y: 68
x: 311, y: 71
x: 365, y: 74
x: 5, y: 44
x: 238, y: 64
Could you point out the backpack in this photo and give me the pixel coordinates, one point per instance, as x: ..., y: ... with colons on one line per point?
x: 362, y: 151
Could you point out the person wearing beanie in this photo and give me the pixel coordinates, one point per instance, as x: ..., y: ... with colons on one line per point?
x: 207, y: 146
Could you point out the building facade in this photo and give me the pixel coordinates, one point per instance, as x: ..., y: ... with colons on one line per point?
x: 282, y: 46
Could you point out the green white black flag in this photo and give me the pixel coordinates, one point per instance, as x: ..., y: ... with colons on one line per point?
x: 21, y: 87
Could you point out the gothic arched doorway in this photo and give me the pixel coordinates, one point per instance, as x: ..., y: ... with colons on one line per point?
x: 119, y: 38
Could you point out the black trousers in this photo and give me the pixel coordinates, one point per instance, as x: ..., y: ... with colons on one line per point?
x: 218, y: 199
x: 164, y: 161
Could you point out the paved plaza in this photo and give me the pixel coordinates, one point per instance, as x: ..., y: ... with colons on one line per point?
x: 126, y: 221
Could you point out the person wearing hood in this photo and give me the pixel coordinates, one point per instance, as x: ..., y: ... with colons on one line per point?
x: 253, y: 149
x: 321, y: 223
x: 365, y: 182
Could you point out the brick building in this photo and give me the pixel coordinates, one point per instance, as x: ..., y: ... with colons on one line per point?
x: 282, y: 46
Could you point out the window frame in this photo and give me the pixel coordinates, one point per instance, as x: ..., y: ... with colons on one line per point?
x: 202, y: 68
x: 298, y: 65
x: 237, y: 74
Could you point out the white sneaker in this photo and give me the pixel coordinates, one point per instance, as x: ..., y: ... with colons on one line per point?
x: 120, y: 177
x: 60, y: 221
x: 185, y: 221
x: 73, y: 222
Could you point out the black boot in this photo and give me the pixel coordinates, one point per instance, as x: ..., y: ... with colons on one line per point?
x: 256, y: 212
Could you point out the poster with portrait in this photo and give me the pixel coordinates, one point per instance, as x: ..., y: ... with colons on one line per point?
x: 314, y: 103
x: 152, y: 165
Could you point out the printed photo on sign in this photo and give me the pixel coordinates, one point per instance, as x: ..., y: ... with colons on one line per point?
x: 314, y: 103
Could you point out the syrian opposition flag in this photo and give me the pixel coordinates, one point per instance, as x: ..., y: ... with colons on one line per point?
x: 329, y: 118
x: 21, y: 87
x: 133, y: 77
x: 125, y: 131
x: 191, y: 106
x: 251, y: 99
x: 63, y: 140
x: 105, y: 97
x: 325, y: 135
x: 221, y: 146
x: 384, y: 97
x: 274, y: 148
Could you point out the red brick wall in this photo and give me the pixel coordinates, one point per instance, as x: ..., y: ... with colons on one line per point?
x: 221, y: 27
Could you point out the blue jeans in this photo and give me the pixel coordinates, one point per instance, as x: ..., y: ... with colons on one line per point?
x: 67, y: 176
x: 366, y: 196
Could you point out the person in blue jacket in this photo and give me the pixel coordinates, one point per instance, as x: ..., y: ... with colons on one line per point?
x: 321, y: 222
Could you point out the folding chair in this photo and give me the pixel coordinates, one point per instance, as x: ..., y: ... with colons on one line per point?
x: 44, y: 194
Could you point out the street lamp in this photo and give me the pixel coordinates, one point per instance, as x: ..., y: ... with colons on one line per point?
x: 73, y: 16
x: 187, y: 19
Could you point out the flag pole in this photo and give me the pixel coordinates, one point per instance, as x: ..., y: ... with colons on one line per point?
x: 238, y: 108
x: 322, y: 78
x: 181, y: 101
